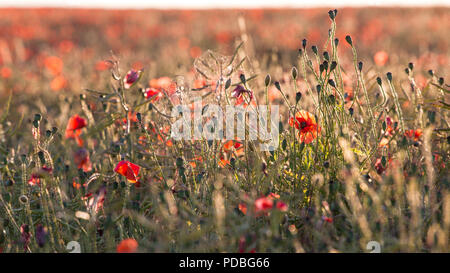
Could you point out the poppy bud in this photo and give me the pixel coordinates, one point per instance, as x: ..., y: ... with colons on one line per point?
x: 23, y: 157
x: 242, y: 77
x: 349, y: 40
x: 304, y: 43
x: 277, y: 85
x: 318, y: 88
x: 326, y: 56
x: 294, y: 72
x: 333, y: 66
x: 48, y: 133
x: 360, y: 66
x: 41, y: 157
x: 336, y: 42
x: 407, y: 71
x: 331, y: 82
x: 321, y: 68
x: 431, y: 116
x: 37, y: 117
x: 284, y: 144
x: 441, y: 81
x: 54, y: 130
x: 326, y: 164
x: 331, y: 14
x: 267, y: 80
x: 350, y: 110
x: 332, y: 99
x: 227, y: 84
x: 314, y: 49
x: 379, y: 81
x: 300, y: 51
x: 389, y: 76
x: 179, y: 162
x: 411, y: 66
x: 139, y: 117
x: 431, y: 72
x: 298, y: 96
x: 325, y: 65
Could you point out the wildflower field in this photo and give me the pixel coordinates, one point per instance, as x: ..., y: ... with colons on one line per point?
x: 89, y: 161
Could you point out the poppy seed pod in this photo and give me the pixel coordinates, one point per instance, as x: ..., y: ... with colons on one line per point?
x: 431, y: 72
x: 349, y: 40
x: 441, y: 81
x: 411, y: 66
x: 326, y: 56
x: 407, y: 71
x: 314, y: 49
x: 304, y: 43
x: 318, y: 88
x: 350, y: 110
x: 321, y: 68
x: 360, y: 66
x: 336, y: 42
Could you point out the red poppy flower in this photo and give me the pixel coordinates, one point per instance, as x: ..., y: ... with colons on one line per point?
x: 81, y: 158
x: 131, y: 78
x: 327, y: 219
x: 129, y: 245
x: 243, y: 208
x: 73, y: 129
x: 414, y: 134
x: 281, y: 206
x: 153, y: 93
x: 307, y: 127
x: 94, y: 202
x: 263, y: 204
x: 380, y: 58
x: 129, y: 170
x: 239, y: 92
x: 34, y: 180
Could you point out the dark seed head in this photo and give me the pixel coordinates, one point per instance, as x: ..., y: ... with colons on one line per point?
x: 389, y: 76
x: 314, y: 49
x: 304, y: 43
x: 267, y: 80
x: 349, y: 40
x: 298, y: 96
x: 331, y: 82
x: 379, y: 81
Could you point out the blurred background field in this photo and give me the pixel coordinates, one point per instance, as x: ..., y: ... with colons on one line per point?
x: 62, y: 50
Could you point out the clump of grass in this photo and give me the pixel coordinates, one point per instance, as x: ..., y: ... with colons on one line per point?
x: 348, y: 170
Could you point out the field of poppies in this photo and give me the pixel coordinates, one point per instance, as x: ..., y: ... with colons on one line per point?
x: 89, y: 161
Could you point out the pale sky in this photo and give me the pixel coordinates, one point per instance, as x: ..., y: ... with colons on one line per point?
x: 215, y: 3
